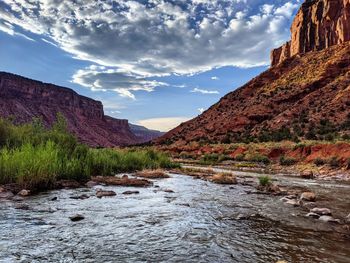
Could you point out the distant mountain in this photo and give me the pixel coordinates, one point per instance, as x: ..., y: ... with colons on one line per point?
x: 305, y: 94
x: 24, y: 99
x: 144, y: 134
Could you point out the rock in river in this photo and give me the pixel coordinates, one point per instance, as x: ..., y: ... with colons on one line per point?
x: 130, y: 192
x: 321, y: 211
x: 24, y: 192
x: 308, y: 196
x: 329, y: 219
x: 101, y: 193
x: 307, y: 175
x: 313, y: 215
x: 76, y: 218
x: 6, y: 195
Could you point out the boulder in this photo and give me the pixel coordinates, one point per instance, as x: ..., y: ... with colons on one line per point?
x: 308, y: 196
x: 321, y: 211
x: 102, y: 193
x: 76, y: 218
x: 22, y: 206
x: 24, y: 193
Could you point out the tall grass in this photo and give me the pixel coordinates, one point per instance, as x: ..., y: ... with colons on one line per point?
x: 36, y: 157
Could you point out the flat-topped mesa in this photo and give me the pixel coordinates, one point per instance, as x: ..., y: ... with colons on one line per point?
x: 24, y: 99
x: 319, y: 24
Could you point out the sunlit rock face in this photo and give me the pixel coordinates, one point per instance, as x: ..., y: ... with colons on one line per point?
x: 319, y: 24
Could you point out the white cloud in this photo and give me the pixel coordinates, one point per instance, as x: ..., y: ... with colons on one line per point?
x: 203, y: 91
x: 137, y: 40
x: 214, y: 78
x: 201, y: 110
x: 162, y: 124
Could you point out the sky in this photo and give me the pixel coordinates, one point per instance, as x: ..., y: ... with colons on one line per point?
x: 154, y: 62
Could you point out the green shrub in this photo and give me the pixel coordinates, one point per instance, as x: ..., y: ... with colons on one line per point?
x: 258, y: 158
x: 319, y: 162
x: 240, y: 157
x: 287, y: 161
x: 36, y: 158
x: 334, y: 162
x: 264, y: 180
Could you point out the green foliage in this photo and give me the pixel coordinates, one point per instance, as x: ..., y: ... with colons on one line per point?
x: 239, y: 158
x: 334, y: 162
x: 264, y: 180
x: 319, y: 162
x: 258, y: 158
x: 36, y: 158
x: 287, y: 161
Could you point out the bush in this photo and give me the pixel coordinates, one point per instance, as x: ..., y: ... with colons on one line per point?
x: 260, y: 159
x: 319, y: 162
x: 287, y: 161
x: 334, y: 162
x: 36, y: 158
x: 239, y: 158
x: 264, y: 180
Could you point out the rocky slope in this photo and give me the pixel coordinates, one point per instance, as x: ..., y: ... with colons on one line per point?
x: 24, y: 99
x: 305, y: 94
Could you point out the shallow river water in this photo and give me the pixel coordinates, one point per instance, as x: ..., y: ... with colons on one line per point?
x: 199, y: 222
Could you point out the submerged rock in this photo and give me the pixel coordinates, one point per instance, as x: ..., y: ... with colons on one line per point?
x: 81, y: 197
x: 321, y: 211
x: 130, y: 192
x: 102, y: 193
x: 313, y: 215
x: 168, y: 191
x: 91, y: 184
x: 308, y: 196
x: 22, y: 206
x: 293, y: 202
x: 329, y: 219
x: 76, y: 218
x: 6, y: 195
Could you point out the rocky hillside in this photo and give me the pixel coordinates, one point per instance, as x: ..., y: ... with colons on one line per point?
x: 305, y: 94
x: 144, y: 134
x: 24, y: 99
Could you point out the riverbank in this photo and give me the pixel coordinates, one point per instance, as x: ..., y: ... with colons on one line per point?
x: 317, y: 158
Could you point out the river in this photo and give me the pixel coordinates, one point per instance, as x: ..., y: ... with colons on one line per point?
x: 199, y: 222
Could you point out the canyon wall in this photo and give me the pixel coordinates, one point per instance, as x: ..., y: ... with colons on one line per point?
x: 319, y: 24
x: 24, y: 99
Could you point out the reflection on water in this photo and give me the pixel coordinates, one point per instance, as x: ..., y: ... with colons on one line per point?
x: 200, y: 222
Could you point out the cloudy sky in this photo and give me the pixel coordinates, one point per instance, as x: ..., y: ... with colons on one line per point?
x: 154, y: 62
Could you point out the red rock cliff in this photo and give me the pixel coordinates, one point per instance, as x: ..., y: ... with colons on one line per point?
x: 319, y: 24
x: 25, y: 99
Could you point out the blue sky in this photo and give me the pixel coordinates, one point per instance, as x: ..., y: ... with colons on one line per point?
x: 156, y: 63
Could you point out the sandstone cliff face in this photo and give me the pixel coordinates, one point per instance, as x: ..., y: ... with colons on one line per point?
x: 24, y: 99
x: 319, y: 24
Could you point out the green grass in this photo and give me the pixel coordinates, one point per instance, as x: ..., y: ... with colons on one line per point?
x: 36, y: 157
x: 264, y: 180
